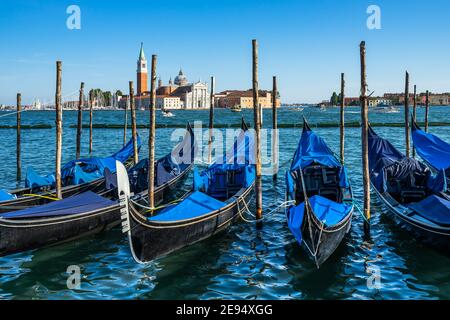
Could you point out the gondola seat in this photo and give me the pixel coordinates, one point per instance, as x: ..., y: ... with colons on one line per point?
x: 320, y: 180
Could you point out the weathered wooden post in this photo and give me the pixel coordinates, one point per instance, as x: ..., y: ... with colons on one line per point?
x: 91, y: 102
x: 407, y: 114
x: 125, y: 124
x: 342, y: 119
x: 211, y: 120
x: 427, y: 107
x: 79, y: 122
x: 257, y: 119
x: 133, y: 124
x: 18, y: 158
x: 365, y: 138
x: 58, y: 108
x: 151, y: 139
x: 414, y: 116
x: 274, y: 128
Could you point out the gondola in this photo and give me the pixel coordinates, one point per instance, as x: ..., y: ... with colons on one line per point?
x: 78, y: 176
x: 317, y: 183
x: 434, y: 151
x: 415, y: 198
x: 219, y: 195
x: 88, y: 213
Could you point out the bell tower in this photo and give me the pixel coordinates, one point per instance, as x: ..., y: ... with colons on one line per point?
x: 142, y: 75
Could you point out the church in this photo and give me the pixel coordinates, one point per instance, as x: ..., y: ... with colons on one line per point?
x: 177, y: 94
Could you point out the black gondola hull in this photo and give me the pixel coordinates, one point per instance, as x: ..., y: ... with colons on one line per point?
x: 319, y: 244
x: 438, y: 238
x: 21, y: 235
x: 150, y: 240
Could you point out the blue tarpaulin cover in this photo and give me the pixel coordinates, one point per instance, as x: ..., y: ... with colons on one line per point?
x: 386, y: 161
x: 209, y: 183
x: 34, y: 180
x: 238, y: 159
x: 84, y: 202
x: 5, y: 195
x: 82, y: 170
x: 435, y: 209
x: 197, y: 204
x: 167, y: 167
x: 431, y: 148
x: 327, y: 211
x: 313, y: 149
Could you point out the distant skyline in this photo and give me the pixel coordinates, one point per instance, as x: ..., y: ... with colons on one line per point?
x: 306, y: 44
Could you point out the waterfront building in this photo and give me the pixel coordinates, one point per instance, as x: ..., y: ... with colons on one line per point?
x: 379, y: 101
x: 190, y: 95
x: 439, y: 99
x: 352, y: 101
x: 168, y: 102
x: 244, y: 99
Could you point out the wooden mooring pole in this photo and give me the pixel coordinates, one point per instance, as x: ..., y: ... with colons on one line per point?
x: 133, y: 124
x: 342, y: 120
x: 274, y: 128
x: 407, y: 143
x: 257, y: 119
x: 58, y: 108
x: 365, y: 138
x: 211, y: 120
x: 79, y: 122
x: 125, y: 121
x: 151, y: 139
x: 414, y: 116
x: 91, y: 102
x: 427, y: 108
x: 19, y: 162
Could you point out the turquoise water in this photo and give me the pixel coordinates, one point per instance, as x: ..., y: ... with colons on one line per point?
x: 243, y: 262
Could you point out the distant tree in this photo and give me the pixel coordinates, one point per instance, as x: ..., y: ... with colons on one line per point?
x: 107, y: 97
x: 334, y: 99
x: 119, y: 93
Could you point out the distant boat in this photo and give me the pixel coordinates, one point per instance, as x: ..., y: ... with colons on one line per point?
x: 382, y: 108
x: 236, y: 109
x: 166, y: 113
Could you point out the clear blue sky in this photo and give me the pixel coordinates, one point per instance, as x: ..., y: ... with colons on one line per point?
x: 307, y: 44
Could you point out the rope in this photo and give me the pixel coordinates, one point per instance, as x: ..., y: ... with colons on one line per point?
x: 358, y: 207
x: 282, y: 205
x: 41, y: 196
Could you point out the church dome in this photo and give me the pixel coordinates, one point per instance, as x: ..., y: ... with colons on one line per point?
x: 180, y: 79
